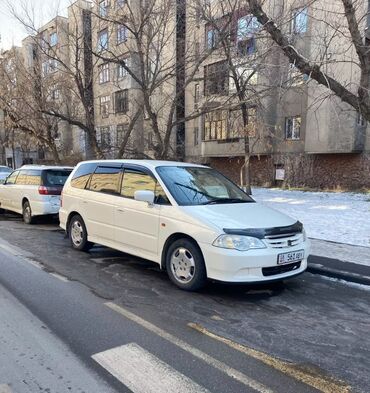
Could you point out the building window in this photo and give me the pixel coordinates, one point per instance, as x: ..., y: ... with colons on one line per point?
x: 248, y: 26
x: 293, y: 128
x: 104, y: 106
x: 215, y: 125
x: 196, y: 93
x: 55, y: 94
x: 103, y: 40
x: 150, y: 140
x: 104, y: 73
x: 211, y: 37
x: 121, y: 132
x: 53, y: 65
x: 196, y: 136
x: 120, y: 3
x: 45, y: 68
x: 121, y: 101
x: 105, y: 140
x: 299, y: 21
x: 103, y: 7
x: 44, y: 41
x: 360, y: 120
x: 53, y: 38
x: 216, y: 78
x: 121, y: 34
x: 121, y: 71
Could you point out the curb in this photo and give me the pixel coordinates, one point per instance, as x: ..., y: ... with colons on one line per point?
x: 338, y: 274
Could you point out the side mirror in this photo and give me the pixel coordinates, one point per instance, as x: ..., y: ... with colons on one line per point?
x: 144, y: 196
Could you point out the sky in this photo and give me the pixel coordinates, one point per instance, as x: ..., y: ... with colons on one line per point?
x: 12, y: 32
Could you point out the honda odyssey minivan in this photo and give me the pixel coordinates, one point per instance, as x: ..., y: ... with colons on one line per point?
x: 190, y: 219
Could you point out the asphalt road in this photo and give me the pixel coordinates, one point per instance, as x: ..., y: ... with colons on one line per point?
x: 104, y: 310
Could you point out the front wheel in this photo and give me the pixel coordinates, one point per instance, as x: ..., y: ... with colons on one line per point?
x: 185, y: 265
x: 27, y: 213
x: 78, y: 234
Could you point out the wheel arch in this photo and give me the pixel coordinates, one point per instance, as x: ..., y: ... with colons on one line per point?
x: 176, y: 236
x: 70, y: 216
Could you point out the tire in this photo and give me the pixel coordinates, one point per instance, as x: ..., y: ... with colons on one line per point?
x: 77, y: 234
x: 27, y: 213
x: 185, y: 265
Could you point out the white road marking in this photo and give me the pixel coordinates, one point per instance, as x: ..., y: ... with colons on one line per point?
x: 59, y: 277
x: 5, y: 389
x: 142, y: 372
x: 17, y: 252
x: 231, y: 372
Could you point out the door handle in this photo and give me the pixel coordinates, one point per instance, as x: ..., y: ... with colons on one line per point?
x: 121, y: 210
x: 85, y: 202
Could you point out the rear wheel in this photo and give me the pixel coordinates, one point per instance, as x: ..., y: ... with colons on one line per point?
x: 27, y: 213
x: 78, y: 234
x: 185, y: 265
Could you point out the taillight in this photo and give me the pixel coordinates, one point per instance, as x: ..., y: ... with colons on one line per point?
x: 49, y: 190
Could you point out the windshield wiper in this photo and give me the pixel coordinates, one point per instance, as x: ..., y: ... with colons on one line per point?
x: 224, y: 200
x: 193, y: 189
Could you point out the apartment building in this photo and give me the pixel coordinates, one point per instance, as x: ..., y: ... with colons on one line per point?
x: 299, y: 134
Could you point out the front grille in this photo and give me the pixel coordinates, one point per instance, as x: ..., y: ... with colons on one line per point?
x: 284, y: 241
x: 272, y: 271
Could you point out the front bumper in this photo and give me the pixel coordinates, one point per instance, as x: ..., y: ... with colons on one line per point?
x: 253, y: 265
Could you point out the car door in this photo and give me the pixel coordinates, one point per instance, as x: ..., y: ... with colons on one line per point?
x: 137, y: 223
x: 7, y: 190
x: 98, y: 208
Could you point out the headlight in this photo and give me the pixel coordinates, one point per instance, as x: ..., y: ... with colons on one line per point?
x: 238, y: 242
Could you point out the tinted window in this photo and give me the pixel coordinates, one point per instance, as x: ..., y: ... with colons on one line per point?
x: 135, y: 180
x: 11, y: 179
x: 33, y: 178
x: 106, y: 180
x: 55, y: 177
x: 82, y: 175
x: 22, y: 178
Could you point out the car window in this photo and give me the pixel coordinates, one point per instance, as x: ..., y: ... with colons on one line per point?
x: 3, y: 169
x: 136, y: 180
x: 33, y: 178
x: 12, y: 178
x: 55, y: 177
x: 82, y: 175
x: 22, y: 178
x: 105, y: 179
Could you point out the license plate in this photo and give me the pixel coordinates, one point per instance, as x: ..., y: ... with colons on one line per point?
x: 290, y: 257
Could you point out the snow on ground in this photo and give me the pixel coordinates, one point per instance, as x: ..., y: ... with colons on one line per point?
x: 337, y: 217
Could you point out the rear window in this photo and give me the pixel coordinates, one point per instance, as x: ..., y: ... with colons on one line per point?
x: 55, y: 177
x: 82, y: 175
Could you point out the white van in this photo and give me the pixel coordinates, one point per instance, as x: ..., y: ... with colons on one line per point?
x: 33, y: 190
x: 190, y: 219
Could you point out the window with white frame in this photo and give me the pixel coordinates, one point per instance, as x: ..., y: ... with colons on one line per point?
x: 216, y: 78
x: 45, y: 68
x: 103, y: 7
x: 245, y: 76
x: 196, y: 93
x: 299, y: 20
x: 121, y: 71
x: 104, y: 106
x: 105, y: 137
x: 53, y: 38
x: 247, y: 28
x: 121, y: 130
x: 55, y: 94
x: 104, y: 73
x: 120, y: 3
x: 121, y: 34
x: 103, y: 42
x: 53, y: 65
x: 293, y: 128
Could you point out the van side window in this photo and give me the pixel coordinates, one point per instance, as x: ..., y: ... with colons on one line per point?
x: 12, y: 178
x: 33, y: 178
x: 135, y: 180
x: 106, y: 180
x: 22, y: 178
x: 82, y: 175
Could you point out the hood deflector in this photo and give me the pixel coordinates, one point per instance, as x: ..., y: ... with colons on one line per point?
x: 261, y: 233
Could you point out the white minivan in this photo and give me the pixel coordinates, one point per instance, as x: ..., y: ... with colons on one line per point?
x: 190, y: 219
x: 33, y: 190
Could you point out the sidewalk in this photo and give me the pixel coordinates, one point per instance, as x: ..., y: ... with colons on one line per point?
x: 341, y: 261
x: 332, y: 220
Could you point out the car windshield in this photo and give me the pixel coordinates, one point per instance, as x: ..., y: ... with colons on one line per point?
x: 200, y: 186
x: 56, y: 177
x: 4, y: 169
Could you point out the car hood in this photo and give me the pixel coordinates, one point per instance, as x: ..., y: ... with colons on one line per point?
x: 240, y: 216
